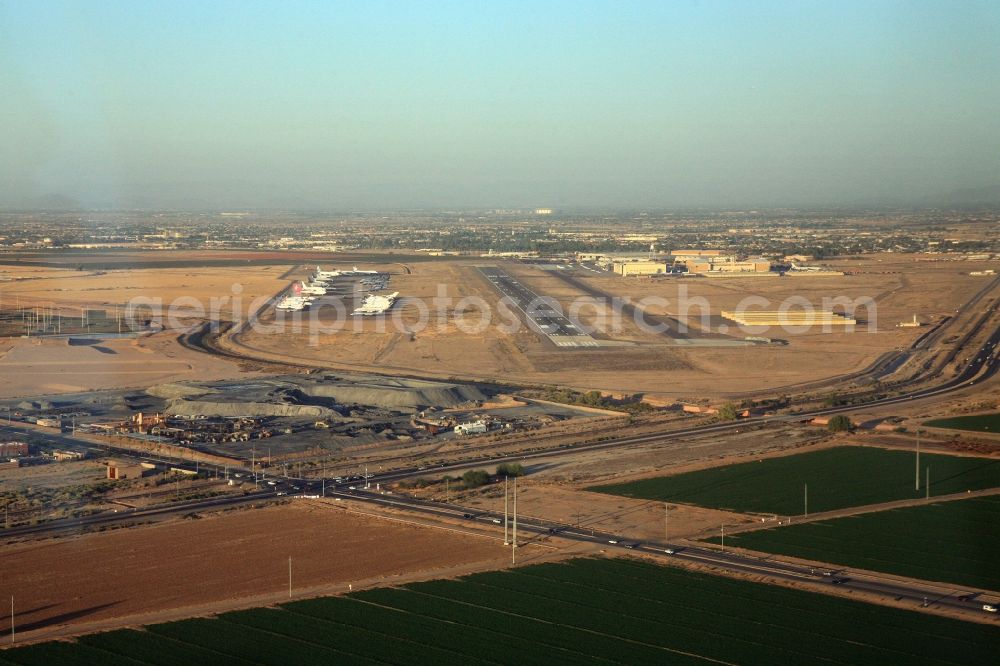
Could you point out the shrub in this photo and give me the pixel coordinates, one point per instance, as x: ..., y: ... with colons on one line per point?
x: 475, y: 478
x: 839, y: 423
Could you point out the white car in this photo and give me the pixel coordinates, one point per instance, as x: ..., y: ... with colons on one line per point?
x: 612, y: 541
x: 989, y: 608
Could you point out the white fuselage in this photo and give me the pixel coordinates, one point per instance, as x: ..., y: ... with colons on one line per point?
x: 376, y: 305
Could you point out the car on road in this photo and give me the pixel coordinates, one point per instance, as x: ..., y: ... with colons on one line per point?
x: 497, y: 521
x: 668, y: 551
x: 612, y: 541
x: 989, y: 608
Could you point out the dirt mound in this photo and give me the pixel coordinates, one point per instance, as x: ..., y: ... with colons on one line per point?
x: 183, y: 407
x: 176, y: 390
x: 34, y: 404
x: 397, y: 395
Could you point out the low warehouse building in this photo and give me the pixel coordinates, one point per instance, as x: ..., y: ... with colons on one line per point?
x: 119, y: 470
x: 789, y: 318
x: 627, y: 268
x: 13, y: 449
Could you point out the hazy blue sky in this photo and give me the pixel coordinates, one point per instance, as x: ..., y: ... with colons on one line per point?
x: 394, y: 104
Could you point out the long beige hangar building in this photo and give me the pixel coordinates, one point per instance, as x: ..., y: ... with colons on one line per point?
x: 790, y: 318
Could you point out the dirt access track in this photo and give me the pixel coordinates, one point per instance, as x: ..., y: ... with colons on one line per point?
x: 232, y: 560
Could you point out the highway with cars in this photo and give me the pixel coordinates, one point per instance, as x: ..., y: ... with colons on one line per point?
x: 980, y: 367
x: 926, y: 594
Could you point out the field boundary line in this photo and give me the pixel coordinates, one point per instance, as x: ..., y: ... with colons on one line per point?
x: 855, y: 511
x: 576, y: 627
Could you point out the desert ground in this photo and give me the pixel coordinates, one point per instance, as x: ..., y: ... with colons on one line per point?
x: 419, y: 339
x: 640, y: 519
x: 451, y: 344
x: 228, y: 560
x: 32, y: 367
x: 68, y: 289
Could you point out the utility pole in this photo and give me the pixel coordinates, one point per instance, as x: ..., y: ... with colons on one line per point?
x: 447, y: 489
x: 506, y: 541
x: 666, y: 519
x: 917, y: 468
x: 723, y: 537
x: 513, y: 546
x: 324, y: 487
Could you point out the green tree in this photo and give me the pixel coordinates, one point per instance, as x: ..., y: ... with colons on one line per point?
x: 475, y: 478
x: 727, y: 412
x: 839, y: 423
x: 510, y: 469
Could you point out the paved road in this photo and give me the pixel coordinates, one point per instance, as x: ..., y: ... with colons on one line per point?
x: 981, y: 366
x: 922, y: 593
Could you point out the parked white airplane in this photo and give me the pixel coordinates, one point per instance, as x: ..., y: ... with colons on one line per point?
x: 320, y: 274
x: 293, y: 303
x: 376, y: 305
x: 312, y: 289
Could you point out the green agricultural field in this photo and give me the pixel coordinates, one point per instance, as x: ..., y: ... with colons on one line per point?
x: 952, y: 542
x: 977, y: 423
x: 583, y: 611
x: 837, y: 478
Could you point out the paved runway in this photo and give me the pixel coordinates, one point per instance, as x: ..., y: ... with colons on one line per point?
x: 543, y: 314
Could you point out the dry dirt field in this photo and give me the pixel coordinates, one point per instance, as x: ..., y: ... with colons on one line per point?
x: 68, y: 289
x: 450, y: 345
x: 69, y: 473
x: 641, y: 519
x: 33, y: 367
x: 553, y: 488
x: 213, y: 563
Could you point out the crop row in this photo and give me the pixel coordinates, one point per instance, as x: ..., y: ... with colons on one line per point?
x: 713, y: 630
x: 948, y: 542
x: 836, y: 478
x: 611, y: 611
x: 740, y: 602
